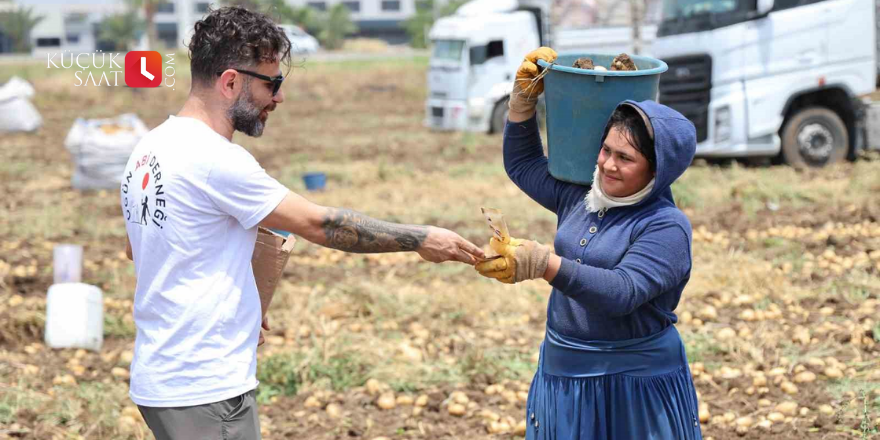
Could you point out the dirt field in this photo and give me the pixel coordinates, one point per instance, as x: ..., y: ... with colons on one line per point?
x: 781, y: 317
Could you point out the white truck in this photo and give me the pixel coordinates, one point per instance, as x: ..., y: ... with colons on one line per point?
x: 477, y: 51
x: 764, y: 78
x: 779, y: 79
x: 474, y: 57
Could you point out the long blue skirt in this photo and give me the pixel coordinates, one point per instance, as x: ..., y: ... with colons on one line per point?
x: 632, y: 389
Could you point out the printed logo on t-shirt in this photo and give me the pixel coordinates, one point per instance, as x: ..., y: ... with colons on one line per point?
x: 143, y: 199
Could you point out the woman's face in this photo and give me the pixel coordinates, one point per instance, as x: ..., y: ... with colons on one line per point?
x: 623, y: 170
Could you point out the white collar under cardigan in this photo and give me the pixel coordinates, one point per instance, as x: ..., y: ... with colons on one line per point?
x: 597, y: 200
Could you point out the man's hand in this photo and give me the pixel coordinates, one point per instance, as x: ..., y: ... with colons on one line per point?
x: 128, y: 251
x: 528, y: 87
x: 263, y: 326
x: 518, y: 260
x: 444, y: 245
x: 351, y: 231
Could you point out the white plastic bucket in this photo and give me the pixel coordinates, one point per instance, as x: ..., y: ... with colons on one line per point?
x: 67, y: 263
x: 75, y: 316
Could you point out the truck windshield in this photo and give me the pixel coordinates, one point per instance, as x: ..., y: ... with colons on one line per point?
x: 675, y: 9
x: 683, y: 16
x: 449, y: 50
x: 481, y: 54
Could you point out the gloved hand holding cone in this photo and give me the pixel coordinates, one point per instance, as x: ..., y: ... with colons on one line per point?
x: 511, y: 260
x: 519, y: 260
x: 529, y: 83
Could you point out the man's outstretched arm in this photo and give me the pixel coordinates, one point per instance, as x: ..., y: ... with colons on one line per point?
x: 350, y: 231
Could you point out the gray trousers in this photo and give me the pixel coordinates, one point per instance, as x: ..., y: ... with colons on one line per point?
x: 232, y: 419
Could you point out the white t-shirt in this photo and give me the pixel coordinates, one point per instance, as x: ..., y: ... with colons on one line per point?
x: 191, y: 202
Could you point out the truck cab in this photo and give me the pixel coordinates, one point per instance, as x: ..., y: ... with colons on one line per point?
x: 475, y: 54
x: 765, y: 78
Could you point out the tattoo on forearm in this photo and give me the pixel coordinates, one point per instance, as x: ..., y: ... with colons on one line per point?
x: 350, y: 231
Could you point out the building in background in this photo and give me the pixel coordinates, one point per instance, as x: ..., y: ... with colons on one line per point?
x: 67, y: 26
x: 5, y: 39
x: 73, y: 25
x: 380, y: 19
x: 5, y: 43
x: 176, y: 19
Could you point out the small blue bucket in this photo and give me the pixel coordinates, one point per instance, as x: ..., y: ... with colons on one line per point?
x: 284, y: 234
x: 315, y: 181
x: 579, y: 103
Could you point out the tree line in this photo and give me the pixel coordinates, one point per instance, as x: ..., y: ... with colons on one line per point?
x: 120, y: 31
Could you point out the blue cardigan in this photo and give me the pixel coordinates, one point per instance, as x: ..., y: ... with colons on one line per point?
x: 623, y: 279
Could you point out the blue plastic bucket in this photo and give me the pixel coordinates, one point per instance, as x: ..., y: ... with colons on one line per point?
x: 579, y: 103
x: 315, y: 181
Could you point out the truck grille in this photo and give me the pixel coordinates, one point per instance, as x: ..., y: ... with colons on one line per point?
x: 686, y: 86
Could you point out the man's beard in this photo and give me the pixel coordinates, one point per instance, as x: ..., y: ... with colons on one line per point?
x: 245, y: 115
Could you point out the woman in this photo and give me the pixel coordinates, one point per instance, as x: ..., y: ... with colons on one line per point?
x: 612, y: 364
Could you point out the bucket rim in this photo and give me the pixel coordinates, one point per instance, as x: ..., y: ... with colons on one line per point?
x: 662, y: 67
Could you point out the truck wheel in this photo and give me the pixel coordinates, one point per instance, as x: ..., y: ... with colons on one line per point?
x: 814, y: 137
x: 499, y: 117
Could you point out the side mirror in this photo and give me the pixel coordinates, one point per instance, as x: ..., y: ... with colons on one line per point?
x: 764, y: 7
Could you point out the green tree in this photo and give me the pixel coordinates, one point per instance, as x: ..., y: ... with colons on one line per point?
x: 149, y: 7
x: 418, y: 25
x: 252, y: 5
x: 307, y: 18
x: 311, y: 20
x: 278, y: 10
x: 330, y: 27
x: 337, y: 25
x: 17, y: 24
x: 121, y: 30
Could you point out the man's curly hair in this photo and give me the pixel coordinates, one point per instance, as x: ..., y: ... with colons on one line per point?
x: 234, y: 37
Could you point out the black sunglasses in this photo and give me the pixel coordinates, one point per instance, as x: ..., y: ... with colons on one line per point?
x: 276, y: 81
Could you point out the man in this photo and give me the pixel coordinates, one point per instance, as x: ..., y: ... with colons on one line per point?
x: 197, y: 309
